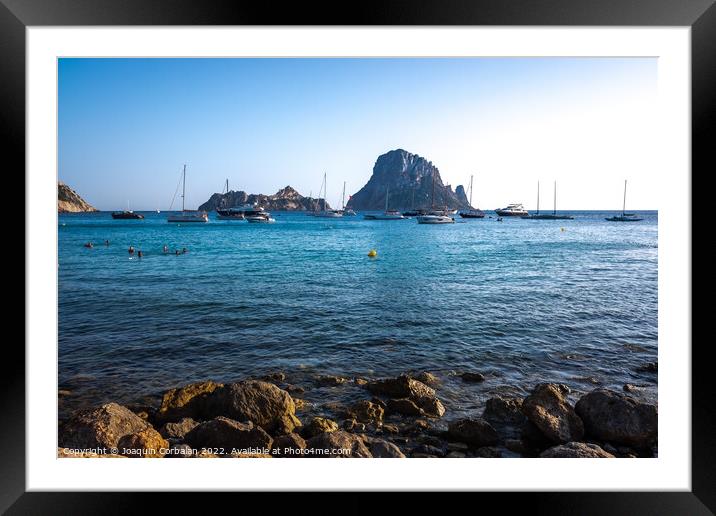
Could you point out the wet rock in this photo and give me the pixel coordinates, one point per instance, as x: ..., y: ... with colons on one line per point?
x: 427, y: 378
x: 335, y: 407
x: 576, y: 450
x: 428, y: 449
x: 257, y: 401
x: 472, y: 377
x: 390, y: 428
x: 418, y: 426
x: 628, y: 387
x: 146, y: 444
x: 294, y: 389
x: 406, y: 387
x: 475, y: 432
x: 457, y: 446
x: 649, y: 367
x: 330, y: 381
x: 431, y: 406
x: 177, y: 430
x: 100, y: 428
x: 319, y: 425
x: 516, y: 445
x: 274, y: 377
x: 222, y: 432
x: 360, y: 381
x: 533, y: 437
x: 299, y: 403
x: 367, y: 412
x: 548, y: 409
x: 488, y: 452
x: 187, y: 401
x: 617, y: 418
x: 288, y: 445
x: 340, y: 443
x: 455, y: 455
x: 351, y: 425
x: 503, y: 410
x: 403, y: 406
x: 382, y: 449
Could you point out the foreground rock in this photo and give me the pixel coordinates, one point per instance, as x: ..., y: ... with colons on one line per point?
x: 406, y: 387
x: 338, y: 444
x: 475, y: 432
x: 177, y: 430
x: 577, y: 451
x: 548, y: 409
x: 146, y: 444
x: 226, y: 433
x: 504, y: 410
x: 366, y: 411
x: 619, y: 419
x: 319, y: 425
x: 289, y: 445
x: 188, y: 401
x: 257, y: 401
x: 472, y: 377
x: 382, y: 449
x: 100, y: 428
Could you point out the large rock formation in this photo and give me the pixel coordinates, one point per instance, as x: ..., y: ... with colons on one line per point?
x: 286, y: 199
x: 409, y: 178
x: 69, y: 201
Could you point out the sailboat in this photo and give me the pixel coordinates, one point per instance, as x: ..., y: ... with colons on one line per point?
x: 326, y: 213
x: 547, y: 216
x: 187, y: 215
x: 126, y: 214
x: 472, y: 213
x: 624, y: 217
x: 387, y: 214
x: 346, y: 212
x: 434, y: 217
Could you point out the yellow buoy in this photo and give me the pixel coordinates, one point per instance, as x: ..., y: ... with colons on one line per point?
x: 372, y: 253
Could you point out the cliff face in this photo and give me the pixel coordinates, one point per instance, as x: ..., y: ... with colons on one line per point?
x: 409, y: 179
x: 286, y: 199
x: 69, y: 201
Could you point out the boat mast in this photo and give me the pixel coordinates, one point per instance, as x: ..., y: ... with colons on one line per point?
x: 387, y: 192
x: 183, y: 187
x: 343, y: 197
x: 537, y: 198
x: 432, y: 195
x: 624, y: 202
x: 554, y: 210
x: 470, y: 191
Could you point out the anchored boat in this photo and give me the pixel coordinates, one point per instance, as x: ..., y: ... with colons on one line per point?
x: 547, y: 216
x: 435, y: 217
x: 187, y: 215
x: 472, y: 213
x: 387, y: 214
x: 512, y: 210
x: 624, y: 217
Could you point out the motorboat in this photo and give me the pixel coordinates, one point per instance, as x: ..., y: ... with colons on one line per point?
x: 512, y: 210
x: 125, y: 215
x: 262, y: 218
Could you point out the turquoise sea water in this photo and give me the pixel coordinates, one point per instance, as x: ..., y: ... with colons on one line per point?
x: 521, y: 301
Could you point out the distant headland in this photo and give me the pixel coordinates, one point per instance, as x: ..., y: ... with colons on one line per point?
x: 286, y: 199
x: 69, y: 201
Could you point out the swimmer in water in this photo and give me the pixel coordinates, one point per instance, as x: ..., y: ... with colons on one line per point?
x: 131, y: 250
x: 89, y: 245
x: 183, y: 251
x: 176, y: 252
x: 165, y: 249
x: 106, y: 243
x: 139, y: 254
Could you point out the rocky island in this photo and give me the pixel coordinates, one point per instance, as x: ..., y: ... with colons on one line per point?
x: 409, y: 178
x: 69, y: 201
x: 286, y: 199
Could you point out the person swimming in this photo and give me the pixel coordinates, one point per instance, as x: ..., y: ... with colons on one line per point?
x: 165, y: 249
x: 131, y: 249
x: 89, y: 245
x: 176, y: 252
x: 184, y: 251
x: 106, y: 243
x: 139, y: 254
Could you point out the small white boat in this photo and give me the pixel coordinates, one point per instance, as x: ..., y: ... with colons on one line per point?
x: 264, y: 218
x: 435, y: 218
x: 326, y: 212
x: 387, y: 214
x: 187, y: 215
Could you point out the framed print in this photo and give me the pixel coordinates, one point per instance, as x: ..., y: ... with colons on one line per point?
x: 449, y: 242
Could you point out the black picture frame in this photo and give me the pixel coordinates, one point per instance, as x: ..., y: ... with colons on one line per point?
x: 700, y: 15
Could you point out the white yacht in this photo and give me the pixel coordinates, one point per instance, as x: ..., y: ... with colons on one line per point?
x: 240, y: 212
x: 512, y: 210
x: 435, y: 216
x: 262, y: 218
x: 326, y: 213
x: 187, y: 215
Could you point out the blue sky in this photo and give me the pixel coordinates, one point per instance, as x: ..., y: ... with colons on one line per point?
x: 126, y: 126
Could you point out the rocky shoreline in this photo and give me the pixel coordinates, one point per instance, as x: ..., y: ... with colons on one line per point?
x: 398, y: 417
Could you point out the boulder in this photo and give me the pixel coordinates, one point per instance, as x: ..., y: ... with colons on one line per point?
x: 472, y: 377
x: 288, y: 445
x: 330, y: 381
x: 222, y: 432
x: 475, y: 432
x: 339, y: 444
x: 577, y: 451
x: 257, y: 401
x: 401, y: 387
x: 503, y: 410
x: 427, y: 378
x: 188, y: 401
x: 403, y: 406
x: 319, y: 425
x: 617, y: 418
x: 488, y: 452
x: 382, y: 449
x: 648, y: 367
x: 548, y: 409
x: 177, y: 430
x: 102, y: 427
x: 146, y: 444
x: 367, y: 412
x: 360, y: 382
